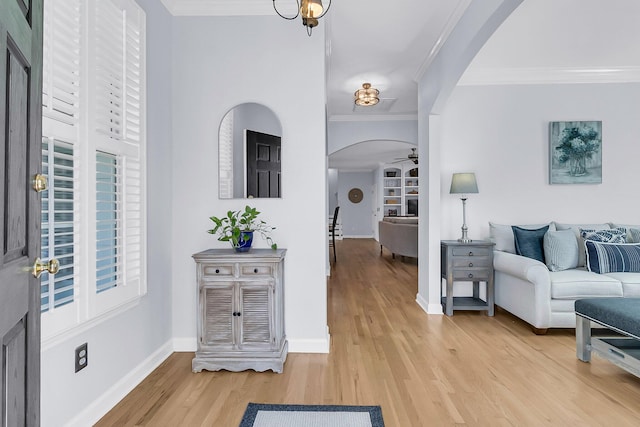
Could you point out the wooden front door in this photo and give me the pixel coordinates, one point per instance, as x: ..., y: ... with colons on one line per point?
x: 263, y: 165
x: 20, y: 158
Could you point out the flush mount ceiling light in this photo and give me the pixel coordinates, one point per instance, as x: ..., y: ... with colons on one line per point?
x: 309, y: 10
x: 367, y: 96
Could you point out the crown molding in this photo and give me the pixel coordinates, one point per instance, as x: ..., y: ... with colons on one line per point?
x: 549, y: 75
x: 372, y: 117
x: 218, y: 7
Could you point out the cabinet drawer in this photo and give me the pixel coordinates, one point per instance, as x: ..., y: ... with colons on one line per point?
x: 470, y: 274
x: 217, y: 270
x: 256, y: 270
x: 470, y: 262
x: 470, y: 251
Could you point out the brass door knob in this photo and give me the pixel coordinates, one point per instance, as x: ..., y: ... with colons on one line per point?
x: 39, y: 267
x: 39, y: 183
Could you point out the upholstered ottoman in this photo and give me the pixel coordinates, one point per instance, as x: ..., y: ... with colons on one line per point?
x: 621, y: 315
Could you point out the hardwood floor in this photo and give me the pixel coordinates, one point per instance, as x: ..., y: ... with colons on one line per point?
x: 424, y: 370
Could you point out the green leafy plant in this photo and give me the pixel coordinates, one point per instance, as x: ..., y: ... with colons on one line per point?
x: 229, y: 228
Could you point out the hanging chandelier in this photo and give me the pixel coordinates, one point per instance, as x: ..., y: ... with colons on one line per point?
x: 367, y: 96
x: 309, y: 10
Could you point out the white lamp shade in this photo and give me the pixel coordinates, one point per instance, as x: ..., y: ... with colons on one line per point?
x: 463, y: 183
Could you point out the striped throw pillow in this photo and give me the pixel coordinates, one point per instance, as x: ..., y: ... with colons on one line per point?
x: 612, y: 257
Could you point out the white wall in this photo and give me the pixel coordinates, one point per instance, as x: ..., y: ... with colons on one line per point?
x: 219, y: 62
x: 123, y: 349
x: 502, y: 134
x: 356, y: 217
x: 477, y: 24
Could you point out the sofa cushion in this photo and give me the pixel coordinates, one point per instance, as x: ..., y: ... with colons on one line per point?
x: 630, y: 283
x: 560, y: 250
x: 613, y: 258
x: 633, y: 231
x: 613, y: 235
x: 502, y: 235
x: 576, y: 230
x: 529, y: 242
x: 580, y: 283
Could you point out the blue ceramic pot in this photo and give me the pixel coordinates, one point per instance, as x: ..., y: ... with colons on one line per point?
x: 244, y: 242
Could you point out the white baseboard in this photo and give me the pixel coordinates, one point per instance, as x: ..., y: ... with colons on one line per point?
x: 428, y: 308
x: 310, y: 345
x: 185, y: 344
x: 119, y: 390
x: 359, y: 237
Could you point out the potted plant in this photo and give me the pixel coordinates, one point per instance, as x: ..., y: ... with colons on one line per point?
x: 238, y: 227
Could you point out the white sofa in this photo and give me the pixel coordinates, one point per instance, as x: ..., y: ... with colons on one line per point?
x: 545, y: 299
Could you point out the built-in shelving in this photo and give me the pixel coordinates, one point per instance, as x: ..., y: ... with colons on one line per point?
x: 400, y: 184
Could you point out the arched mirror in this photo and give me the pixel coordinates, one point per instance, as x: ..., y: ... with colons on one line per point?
x: 249, y: 153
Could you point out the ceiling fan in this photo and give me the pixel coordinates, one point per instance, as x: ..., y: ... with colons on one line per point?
x: 413, y: 156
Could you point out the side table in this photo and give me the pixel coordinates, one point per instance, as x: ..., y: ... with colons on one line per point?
x: 467, y: 262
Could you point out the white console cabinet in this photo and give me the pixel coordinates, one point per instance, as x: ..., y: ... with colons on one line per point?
x: 240, y: 310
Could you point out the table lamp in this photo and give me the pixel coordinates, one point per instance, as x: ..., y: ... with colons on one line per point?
x: 464, y: 183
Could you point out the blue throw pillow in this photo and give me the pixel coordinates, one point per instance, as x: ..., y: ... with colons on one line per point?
x: 612, y: 258
x: 614, y: 235
x: 529, y: 243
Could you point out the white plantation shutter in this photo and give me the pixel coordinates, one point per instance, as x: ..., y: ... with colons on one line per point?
x: 119, y: 70
x: 108, y: 222
x: 61, y: 61
x: 94, y: 151
x: 60, y: 224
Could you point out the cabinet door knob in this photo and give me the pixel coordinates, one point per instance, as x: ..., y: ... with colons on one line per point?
x: 255, y: 270
x: 470, y: 253
x: 470, y: 276
x: 217, y: 270
x: 470, y: 264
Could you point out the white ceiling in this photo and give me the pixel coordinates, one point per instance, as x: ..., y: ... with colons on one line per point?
x: 390, y: 43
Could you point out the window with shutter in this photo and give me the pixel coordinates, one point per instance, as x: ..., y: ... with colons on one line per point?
x: 94, y: 148
x: 58, y: 222
x: 60, y: 227
x: 108, y: 219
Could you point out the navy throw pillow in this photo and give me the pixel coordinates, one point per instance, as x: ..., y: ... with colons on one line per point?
x: 530, y: 243
x: 612, y: 258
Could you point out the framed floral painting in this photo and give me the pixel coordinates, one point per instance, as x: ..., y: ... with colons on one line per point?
x: 575, y: 152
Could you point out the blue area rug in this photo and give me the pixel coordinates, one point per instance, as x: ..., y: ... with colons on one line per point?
x: 267, y: 415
